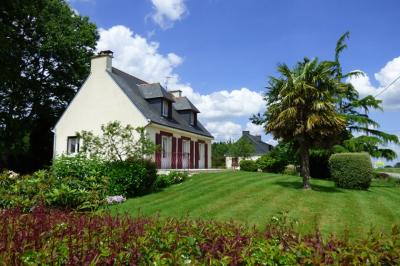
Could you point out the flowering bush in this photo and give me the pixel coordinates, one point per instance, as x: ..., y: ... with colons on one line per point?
x: 28, y: 191
x: 169, y: 179
x: 54, y: 237
x: 115, y: 199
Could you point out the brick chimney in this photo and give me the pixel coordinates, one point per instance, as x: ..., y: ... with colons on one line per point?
x: 101, y: 62
x: 245, y: 133
x: 258, y: 137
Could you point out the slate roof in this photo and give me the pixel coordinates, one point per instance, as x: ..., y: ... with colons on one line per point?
x: 134, y: 88
x: 183, y: 103
x: 260, y: 146
x: 154, y: 90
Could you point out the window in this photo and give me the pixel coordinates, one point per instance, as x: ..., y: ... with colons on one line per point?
x: 192, y: 118
x: 165, y: 108
x: 72, y: 145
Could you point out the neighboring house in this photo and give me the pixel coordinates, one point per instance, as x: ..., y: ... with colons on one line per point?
x: 110, y: 94
x: 260, y: 149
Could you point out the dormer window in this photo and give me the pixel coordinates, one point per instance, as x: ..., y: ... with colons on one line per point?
x: 165, y: 108
x: 193, y: 118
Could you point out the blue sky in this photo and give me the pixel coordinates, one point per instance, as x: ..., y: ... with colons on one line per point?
x: 221, y: 52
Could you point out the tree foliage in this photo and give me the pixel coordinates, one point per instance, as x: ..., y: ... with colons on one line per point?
x: 117, y: 143
x: 241, y: 148
x: 45, y: 50
x: 219, y: 151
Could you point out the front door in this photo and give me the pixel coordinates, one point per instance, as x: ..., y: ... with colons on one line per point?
x: 166, y: 152
x: 201, y: 155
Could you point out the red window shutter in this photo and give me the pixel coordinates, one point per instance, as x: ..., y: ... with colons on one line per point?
x: 158, y: 151
x: 173, y: 163
x: 196, y: 160
x: 206, y: 156
x: 191, y: 154
x: 180, y: 152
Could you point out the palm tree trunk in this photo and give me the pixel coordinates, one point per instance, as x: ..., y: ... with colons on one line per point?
x: 305, y: 166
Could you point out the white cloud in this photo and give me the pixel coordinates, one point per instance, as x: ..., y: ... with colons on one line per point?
x: 255, y: 129
x: 224, y: 130
x: 138, y: 56
x: 226, y: 104
x: 166, y: 12
x: 391, y: 96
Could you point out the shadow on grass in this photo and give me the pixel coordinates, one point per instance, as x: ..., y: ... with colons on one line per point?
x: 314, y: 187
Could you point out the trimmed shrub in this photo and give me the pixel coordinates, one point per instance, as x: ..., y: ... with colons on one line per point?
x: 131, y: 178
x: 351, y: 170
x: 248, y: 165
x: 271, y: 164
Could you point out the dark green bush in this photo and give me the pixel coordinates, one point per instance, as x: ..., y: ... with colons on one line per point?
x: 351, y: 170
x: 131, y: 178
x: 248, y: 165
x: 271, y: 164
x: 127, y: 178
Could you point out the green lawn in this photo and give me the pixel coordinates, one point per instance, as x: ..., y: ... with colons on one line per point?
x: 389, y: 170
x: 253, y: 198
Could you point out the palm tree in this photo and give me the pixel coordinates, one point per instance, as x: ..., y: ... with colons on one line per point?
x: 302, y: 109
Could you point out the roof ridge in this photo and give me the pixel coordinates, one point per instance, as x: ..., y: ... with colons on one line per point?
x: 123, y: 72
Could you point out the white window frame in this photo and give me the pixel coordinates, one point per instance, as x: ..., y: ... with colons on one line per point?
x: 185, y: 153
x: 72, y: 145
x: 165, y: 108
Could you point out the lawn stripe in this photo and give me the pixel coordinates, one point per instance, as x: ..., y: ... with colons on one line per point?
x: 230, y: 203
x: 204, y: 199
x: 254, y: 197
x: 179, y: 197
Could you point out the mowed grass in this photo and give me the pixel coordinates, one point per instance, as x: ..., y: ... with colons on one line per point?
x: 253, y: 198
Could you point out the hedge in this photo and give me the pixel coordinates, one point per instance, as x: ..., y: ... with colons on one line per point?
x: 351, y: 170
x: 248, y: 165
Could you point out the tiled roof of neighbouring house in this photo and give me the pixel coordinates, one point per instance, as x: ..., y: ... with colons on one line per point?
x: 260, y: 146
x: 136, y: 90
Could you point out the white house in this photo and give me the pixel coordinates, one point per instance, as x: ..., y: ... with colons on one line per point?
x: 260, y: 148
x: 109, y: 94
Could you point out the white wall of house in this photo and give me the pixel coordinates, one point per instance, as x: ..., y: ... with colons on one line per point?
x: 228, y: 161
x: 99, y: 101
x: 152, y: 129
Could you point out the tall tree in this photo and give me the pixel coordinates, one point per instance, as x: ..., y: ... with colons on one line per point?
x: 45, y: 50
x: 301, y: 109
x: 356, y: 111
